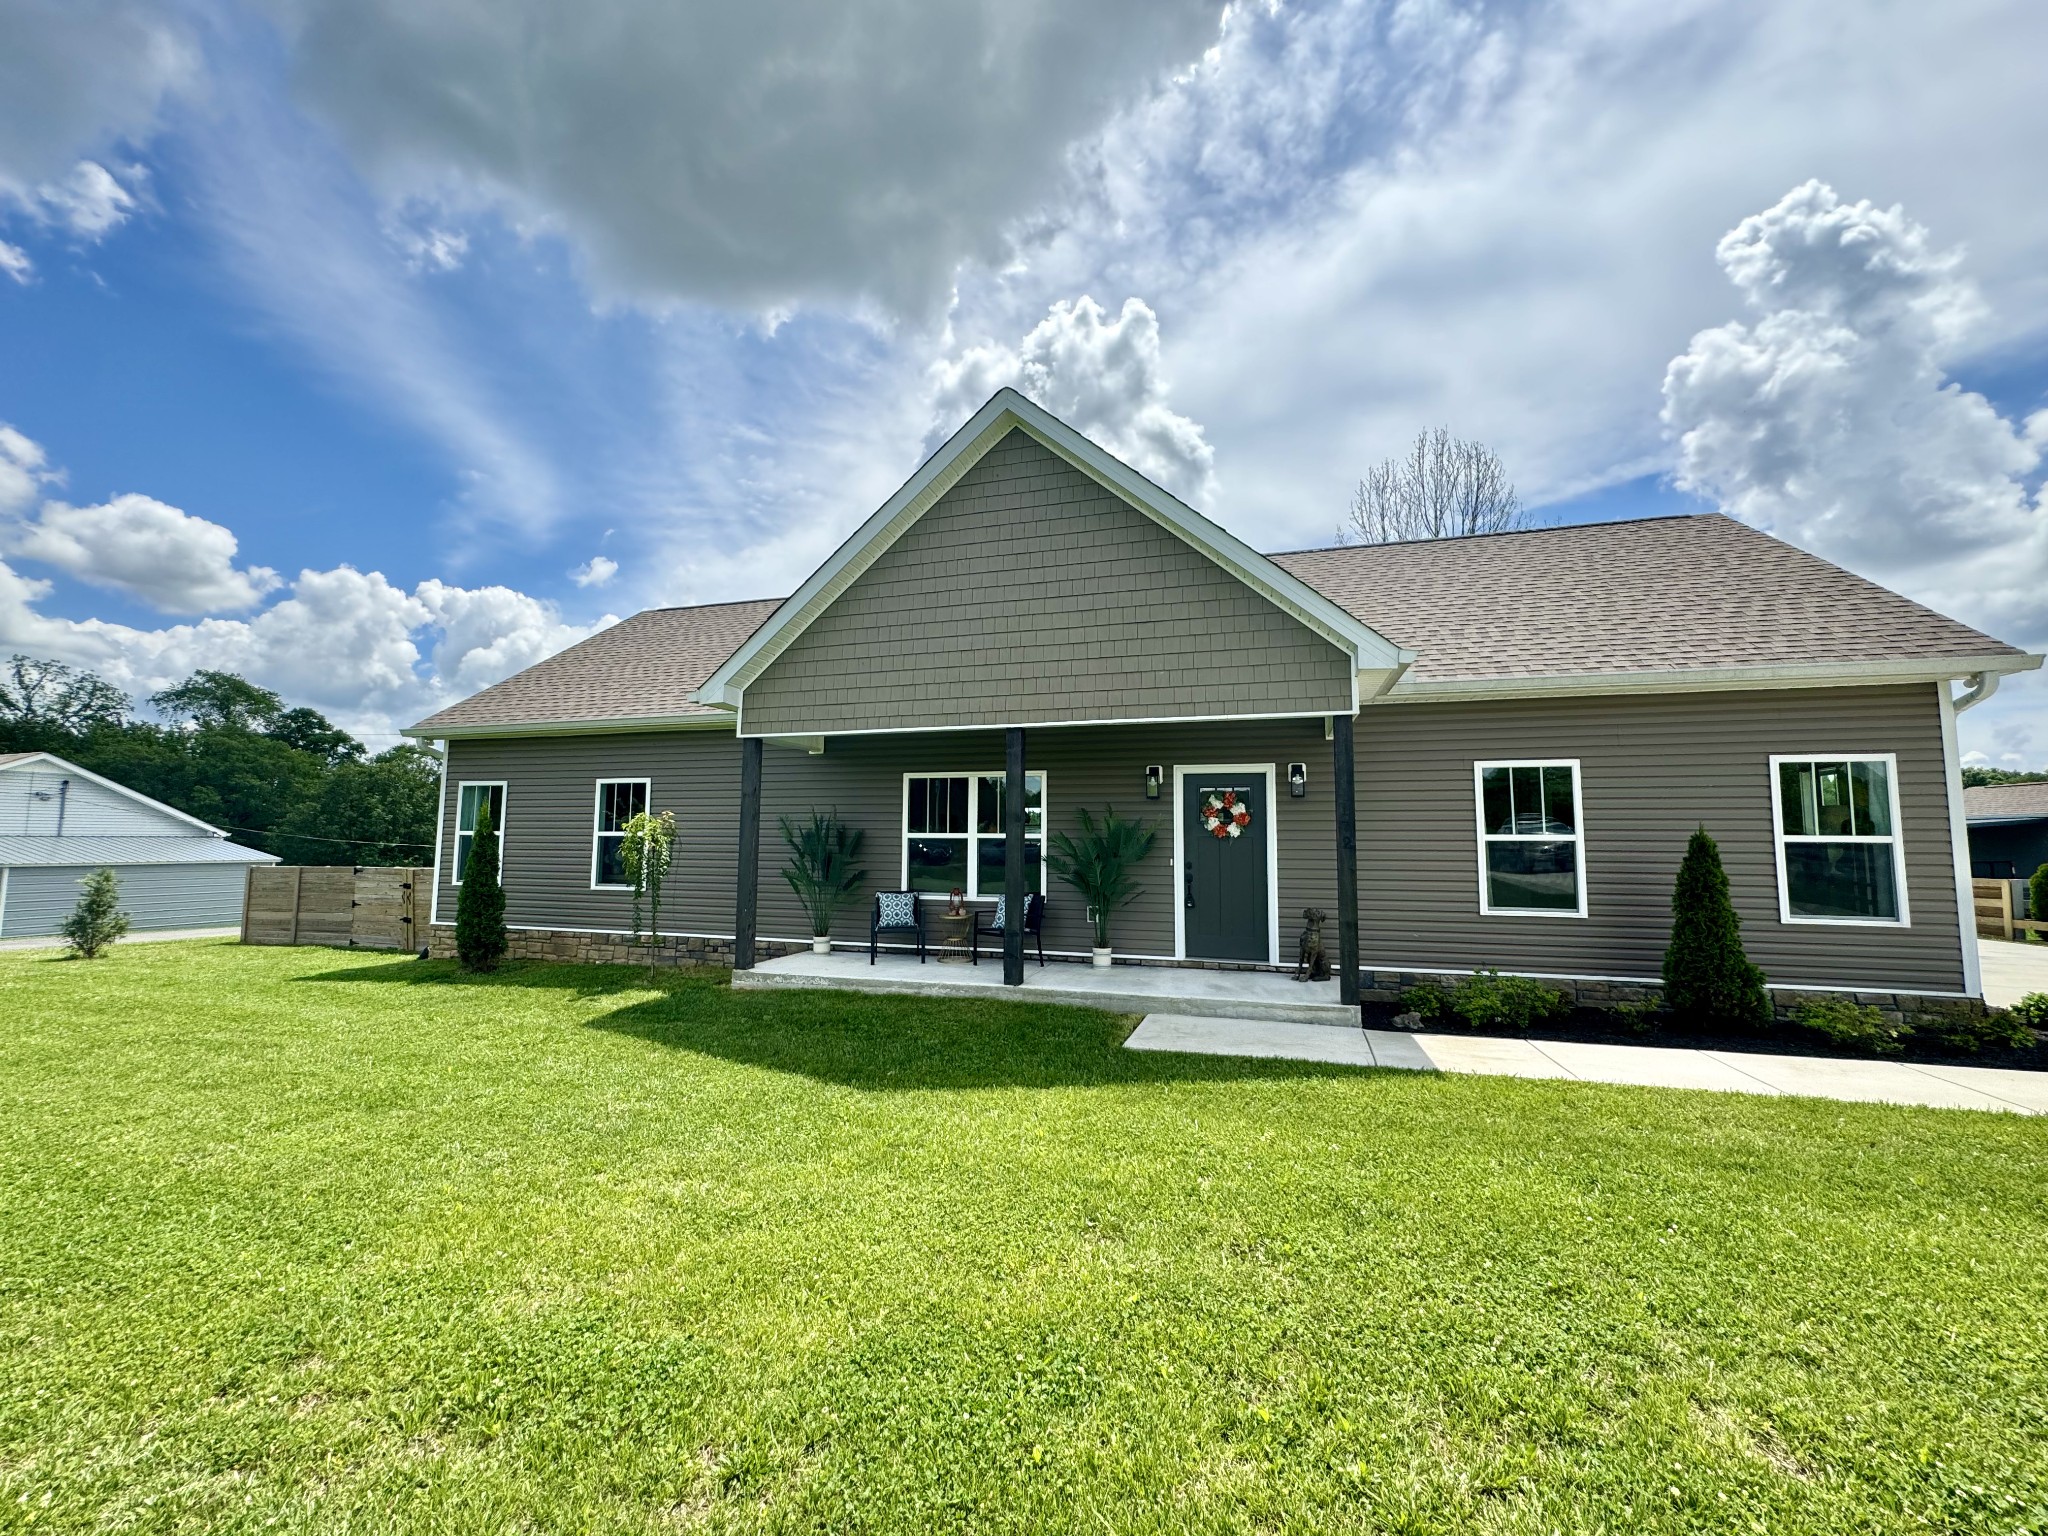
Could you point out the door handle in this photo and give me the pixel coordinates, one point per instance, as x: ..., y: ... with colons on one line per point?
x: 1189, y: 876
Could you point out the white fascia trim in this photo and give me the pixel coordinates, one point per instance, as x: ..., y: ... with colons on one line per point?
x: 1815, y: 674
x: 1371, y: 652
x: 120, y: 789
x: 1054, y: 725
x: 431, y: 732
x: 1959, y: 835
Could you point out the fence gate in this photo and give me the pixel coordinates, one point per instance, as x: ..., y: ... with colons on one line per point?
x: 338, y: 904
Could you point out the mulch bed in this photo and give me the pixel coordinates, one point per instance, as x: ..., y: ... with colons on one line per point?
x: 1596, y: 1026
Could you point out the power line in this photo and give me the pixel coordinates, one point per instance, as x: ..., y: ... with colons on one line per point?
x: 354, y: 842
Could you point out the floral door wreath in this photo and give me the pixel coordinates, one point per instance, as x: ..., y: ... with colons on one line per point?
x: 1224, y: 815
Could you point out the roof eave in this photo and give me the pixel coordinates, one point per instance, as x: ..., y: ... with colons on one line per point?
x: 1825, y: 674
x: 428, y: 730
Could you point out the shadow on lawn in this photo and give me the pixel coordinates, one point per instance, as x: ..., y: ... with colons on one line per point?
x: 857, y: 1039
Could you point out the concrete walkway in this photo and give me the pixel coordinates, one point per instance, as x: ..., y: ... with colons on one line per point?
x: 1821, y: 1077
x: 2011, y: 970
x: 160, y: 936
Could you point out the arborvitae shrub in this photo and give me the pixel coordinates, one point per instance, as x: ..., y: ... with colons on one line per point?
x: 480, y: 907
x: 1708, y: 980
x: 97, y: 921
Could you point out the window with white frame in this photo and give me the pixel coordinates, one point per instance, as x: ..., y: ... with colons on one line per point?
x: 953, y: 833
x: 1531, y: 846
x: 1840, y: 858
x: 467, y: 798
x: 618, y: 802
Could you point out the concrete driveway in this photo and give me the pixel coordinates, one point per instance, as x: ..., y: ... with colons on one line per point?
x: 2011, y: 970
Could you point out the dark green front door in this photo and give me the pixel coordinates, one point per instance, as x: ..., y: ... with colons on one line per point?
x: 1223, y: 879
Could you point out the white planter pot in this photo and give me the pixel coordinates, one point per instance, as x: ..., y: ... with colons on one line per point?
x: 821, y: 944
x: 1101, y: 957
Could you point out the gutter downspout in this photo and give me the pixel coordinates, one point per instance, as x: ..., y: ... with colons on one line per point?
x: 1982, y: 686
x: 63, y: 799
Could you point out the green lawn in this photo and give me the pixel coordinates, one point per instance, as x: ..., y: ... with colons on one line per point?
x: 303, y: 1239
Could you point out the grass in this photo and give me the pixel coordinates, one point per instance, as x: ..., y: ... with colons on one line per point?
x: 309, y: 1240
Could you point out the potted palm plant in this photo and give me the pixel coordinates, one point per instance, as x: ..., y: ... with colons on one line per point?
x: 1098, y: 865
x: 820, y: 870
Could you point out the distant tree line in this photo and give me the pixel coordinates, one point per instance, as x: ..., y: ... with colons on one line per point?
x: 284, y: 780
x: 1976, y: 778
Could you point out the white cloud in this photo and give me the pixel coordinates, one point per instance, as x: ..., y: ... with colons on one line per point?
x: 744, y: 154
x: 1829, y: 418
x: 595, y: 572
x: 24, y: 470
x: 1102, y: 377
x: 173, y: 561
x: 83, y: 74
x: 427, y: 247
x: 14, y: 261
x: 88, y: 203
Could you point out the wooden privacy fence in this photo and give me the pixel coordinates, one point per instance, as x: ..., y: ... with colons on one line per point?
x: 343, y: 905
x: 1995, y: 919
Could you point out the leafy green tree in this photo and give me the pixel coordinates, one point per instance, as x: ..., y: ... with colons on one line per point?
x: 2037, y: 896
x: 219, y: 699
x: 480, y: 941
x: 647, y: 850
x: 377, y: 812
x: 307, y: 730
x: 1977, y: 778
x: 1708, y: 980
x: 42, y: 702
x: 97, y: 921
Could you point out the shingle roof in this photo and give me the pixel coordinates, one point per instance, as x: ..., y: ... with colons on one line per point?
x: 2005, y: 802
x: 642, y: 668
x: 1653, y: 594
x: 46, y: 851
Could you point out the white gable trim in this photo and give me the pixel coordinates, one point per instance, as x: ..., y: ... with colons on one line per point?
x: 1371, y: 652
x: 120, y: 789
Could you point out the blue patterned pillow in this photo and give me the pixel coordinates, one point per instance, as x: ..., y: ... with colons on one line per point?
x: 999, y: 912
x: 899, y: 909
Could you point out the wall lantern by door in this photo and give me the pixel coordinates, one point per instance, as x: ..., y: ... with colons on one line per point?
x: 1153, y: 774
x: 1297, y: 779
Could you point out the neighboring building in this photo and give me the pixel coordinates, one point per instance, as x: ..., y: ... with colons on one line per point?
x: 1534, y: 724
x: 2008, y: 829
x: 59, y: 822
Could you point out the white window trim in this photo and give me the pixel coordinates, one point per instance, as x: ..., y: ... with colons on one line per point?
x: 1897, y: 840
x: 1577, y: 839
x: 1270, y: 773
x: 596, y: 820
x: 455, y: 842
x: 974, y: 776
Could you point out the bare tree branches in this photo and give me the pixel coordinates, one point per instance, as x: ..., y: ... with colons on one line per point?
x: 1445, y: 487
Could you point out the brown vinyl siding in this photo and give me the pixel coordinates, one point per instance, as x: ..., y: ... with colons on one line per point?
x: 1031, y: 592
x: 1652, y: 768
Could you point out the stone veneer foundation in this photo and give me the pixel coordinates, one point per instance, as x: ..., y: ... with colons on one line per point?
x: 1374, y: 986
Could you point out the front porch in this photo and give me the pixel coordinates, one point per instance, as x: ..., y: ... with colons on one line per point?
x: 1263, y: 995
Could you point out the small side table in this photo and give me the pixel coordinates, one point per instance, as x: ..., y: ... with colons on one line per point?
x: 950, y: 935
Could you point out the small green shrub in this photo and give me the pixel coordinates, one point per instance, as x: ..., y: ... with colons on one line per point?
x: 1638, y: 1018
x: 480, y: 939
x: 1490, y: 1000
x: 1963, y: 1028
x: 2031, y: 1011
x: 1430, y: 1002
x: 97, y: 921
x: 2037, y: 900
x: 1848, y: 1022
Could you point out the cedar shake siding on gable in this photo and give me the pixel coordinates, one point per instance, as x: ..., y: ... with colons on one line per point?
x: 1653, y: 768
x: 1031, y: 593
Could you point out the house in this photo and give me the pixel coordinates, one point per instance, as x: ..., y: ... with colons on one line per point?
x: 2008, y: 826
x: 59, y: 822
x: 1474, y: 753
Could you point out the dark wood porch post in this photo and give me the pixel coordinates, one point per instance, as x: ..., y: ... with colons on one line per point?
x: 1344, y: 787
x: 1014, y: 891
x: 750, y: 854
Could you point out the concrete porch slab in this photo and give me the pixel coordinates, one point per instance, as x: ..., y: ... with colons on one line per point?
x: 2012, y: 970
x: 1253, y: 996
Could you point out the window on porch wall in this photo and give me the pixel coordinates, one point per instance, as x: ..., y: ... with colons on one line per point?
x: 953, y: 834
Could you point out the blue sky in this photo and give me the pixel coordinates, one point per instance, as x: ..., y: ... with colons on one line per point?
x: 378, y: 349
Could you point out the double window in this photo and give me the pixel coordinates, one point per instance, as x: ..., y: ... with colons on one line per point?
x: 618, y: 802
x: 953, y: 833
x: 1531, y: 847
x: 467, y: 798
x: 1839, y: 853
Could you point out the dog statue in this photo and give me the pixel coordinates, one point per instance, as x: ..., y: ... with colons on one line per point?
x: 1314, y: 964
